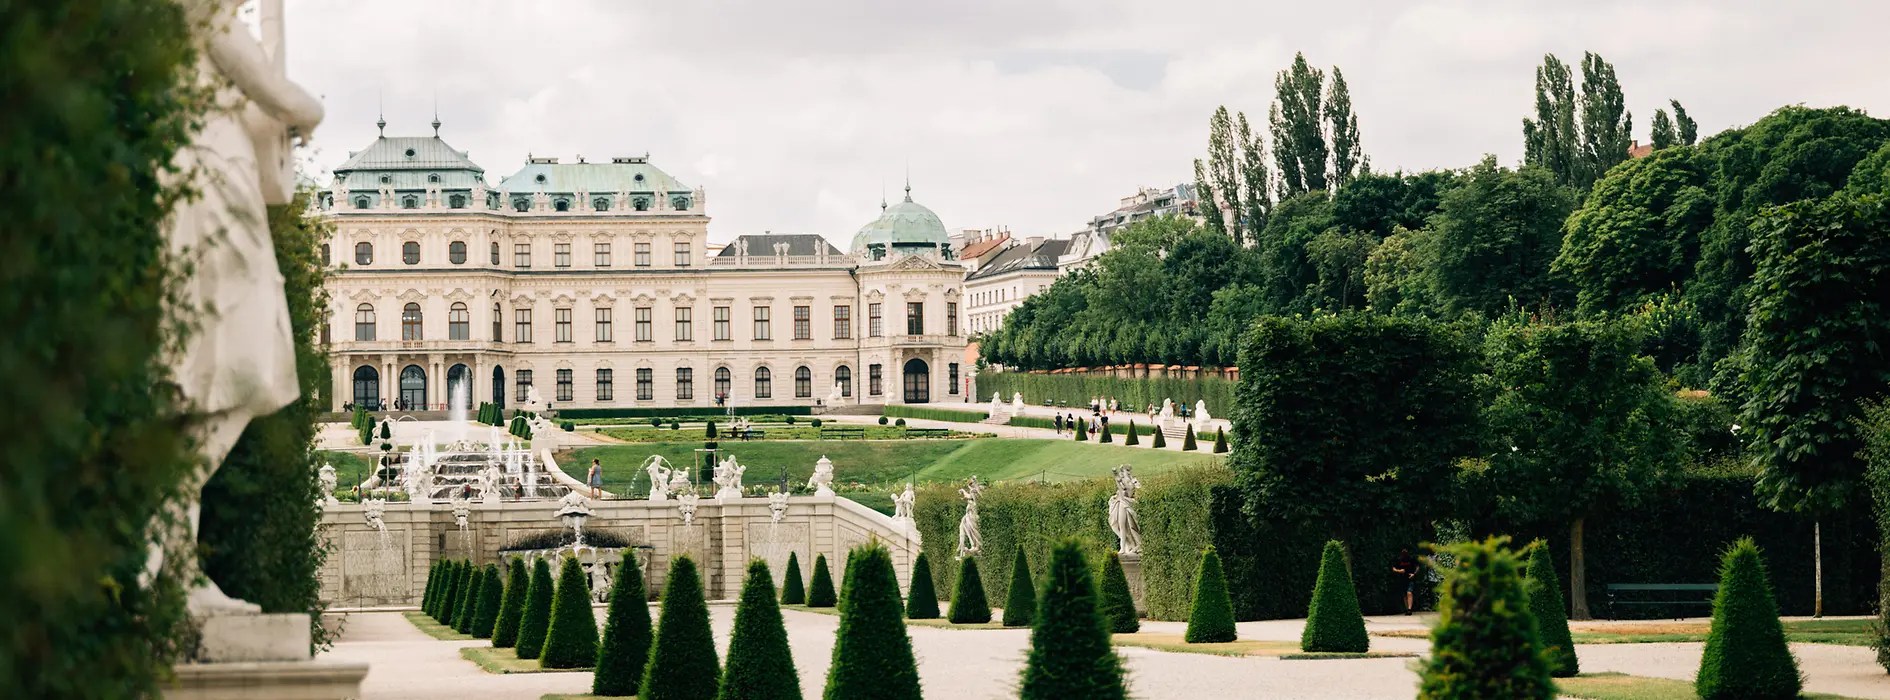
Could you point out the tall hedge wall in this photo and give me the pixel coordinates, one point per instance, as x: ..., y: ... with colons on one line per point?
x: 944, y: 414
x: 669, y: 413
x: 1077, y: 390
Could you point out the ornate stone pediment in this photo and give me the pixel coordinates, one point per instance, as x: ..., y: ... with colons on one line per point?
x: 644, y: 300
x: 915, y: 262
x: 951, y: 293
x: 363, y: 295
x: 915, y: 293
x: 412, y: 234
x: 683, y: 299
x: 561, y: 236
x: 875, y: 295
x: 522, y: 300
x: 760, y: 301
x: 563, y: 300
x: 412, y: 295
x: 601, y: 300
x: 459, y: 295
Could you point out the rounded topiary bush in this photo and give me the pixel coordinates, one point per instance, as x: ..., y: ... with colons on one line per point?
x: 882, y: 420
x: 627, y: 636
x: 872, y: 655
x: 900, y: 423
x: 1484, y: 644
x: 1212, y: 619
x: 675, y: 425
x: 683, y: 664
x: 793, y: 592
x: 969, y: 606
x: 486, y: 614
x: 1020, y: 605
x: 571, y: 641
x: 1118, y: 603
x: 815, y: 422
x: 511, y: 605
x: 1070, y: 652
x: 709, y: 431
x: 820, y: 593
x: 790, y: 420
x: 922, y: 598
x: 1545, y: 603
x: 537, y: 617
x: 1334, y: 623
x: 1746, y: 656
x: 760, y: 666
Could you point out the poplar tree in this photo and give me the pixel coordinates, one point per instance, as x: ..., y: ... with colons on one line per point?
x: 1347, y: 156
x: 1299, y: 140
x: 1222, y: 186
x: 625, y: 648
x: 1689, y: 132
x: 1607, y: 125
x: 1663, y: 134
x: 1549, y: 140
x: 1256, y: 183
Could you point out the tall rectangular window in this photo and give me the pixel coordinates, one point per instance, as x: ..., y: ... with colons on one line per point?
x: 643, y: 254
x: 951, y: 318
x: 872, y: 380
x: 803, y: 322
x: 685, y: 330
x: 521, y: 255
x: 495, y: 253
x: 600, y: 255
x: 953, y: 374
x: 682, y: 255
x: 521, y: 326
x: 562, y: 320
x: 761, y: 323
x: 874, y: 328
x: 721, y: 323
x: 498, y: 324
x: 606, y: 385
x: 644, y: 334
x: 685, y: 384
x: 561, y: 254
x: 524, y: 377
x: 646, y: 381
x: 842, y: 321
x: 564, y: 385
x: 915, y: 318
x: 603, y: 325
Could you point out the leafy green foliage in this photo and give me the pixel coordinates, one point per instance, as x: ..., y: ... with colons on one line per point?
x: 1746, y: 655
x: 1551, y: 140
x: 1637, y: 235
x: 571, y: 641
x: 1212, y: 619
x: 760, y: 665
x: 433, y: 583
x: 922, y: 597
x: 1545, y: 604
x: 1334, y: 622
x: 1070, y: 652
x: 1118, y: 603
x: 793, y: 592
x: 1497, y: 232
x: 626, y: 645
x: 449, y: 598
x: 1077, y: 389
x: 537, y: 617
x: 468, y: 607
x: 486, y: 614
x: 512, y: 605
x: 1484, y: 646
x: 820, y: 592
x: 683, y: 664
x: 1876, y: 453
x: 872, y: 655
x: 1020, y: 605
x: 968, y: 601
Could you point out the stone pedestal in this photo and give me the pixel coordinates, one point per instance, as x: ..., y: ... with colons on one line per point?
x: 264, y: 657
x: 254, y: 638
x: 1132, y: 570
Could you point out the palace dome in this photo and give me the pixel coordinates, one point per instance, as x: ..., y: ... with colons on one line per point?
x: 907, y: 224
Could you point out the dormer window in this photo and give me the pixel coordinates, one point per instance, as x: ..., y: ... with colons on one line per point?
x: 600, y: 204
x: 561, y: 205
x: 457, y: 201
x: 522, y: 204
x: 641, y: 203
x: 433, y: 178
x: 361, y: 202
x: 680, y: 203
x: 387, y: 179
x: 410, y: 202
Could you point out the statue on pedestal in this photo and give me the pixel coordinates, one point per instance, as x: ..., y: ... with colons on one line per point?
x: 1201, y: 416
x: 679, y: 483
x: 969, y: 541
x: 902, y: 503
x: 1122, y: 518
x: 327, y: 476
x: 659, y: 477
x: 728, y: 476
x: 1017, y: 403
x: 822, y: 480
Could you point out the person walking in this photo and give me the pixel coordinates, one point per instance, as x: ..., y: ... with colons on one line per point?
x: 1059, y: 424
x: 1406, y: 569
x: 596, y: 479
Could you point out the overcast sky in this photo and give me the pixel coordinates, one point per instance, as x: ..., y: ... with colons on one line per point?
x: 1035, y: 114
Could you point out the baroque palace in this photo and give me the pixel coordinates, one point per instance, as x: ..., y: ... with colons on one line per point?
x: 595, y: 284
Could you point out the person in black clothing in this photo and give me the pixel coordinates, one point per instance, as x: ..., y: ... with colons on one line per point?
x: 1406, y: 569
x: 1059, y: 424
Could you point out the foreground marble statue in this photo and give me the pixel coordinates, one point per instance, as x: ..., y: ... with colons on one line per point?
x: 1122, y: 517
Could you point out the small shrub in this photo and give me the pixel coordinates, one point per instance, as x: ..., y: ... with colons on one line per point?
x: 537, y: 616
x: 387, y: 433
x: 1132, y: 440
x: 569, y: 427
x: 968, y: 602
x: 1118, y: 603
x: 820, y: 589
x: 571, y: 641
x: 1545, y: 603
x: 922, y: 598
x: 627, y: 635
x: 1161, y: 440
x: 1484, y: 644
x: 709, y: 431
x: 491, y: 593
x: 882, y: 420
x: 1082, y: 431
x: 760, y: 665
x: 674, y: 425
x: 1220, y: 441
x: 1104, y: 437
x: 433, y: 582
x: 683, y: 664
x: 1070, y: 652
x: 1746, y: 656
x: 900, y: 422
x: 1334, y: 623
x: 512, y: 605
x: 792, y: 592
x: 1212, y: 619
x: 1020, y: 606
x: 872, y: 655
x: 657, y: 422
x: 1187, y: 441
x: 449, y: 597
x: 815, y: 422
x: 790, y: 420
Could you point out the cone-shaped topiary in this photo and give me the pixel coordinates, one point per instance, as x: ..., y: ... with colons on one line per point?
x: 1545, y: 603
x: 468, y: 599
x: 449, y: 596
x: 820, y: 589
x: 511, y: 605
x: 1104, y: 437
x: 1746, y: 656
x: 1334, y: 622
x: 1187, y: 441
x: 1220, y: 441
x: 626, y: 646
x: 1484, y: 644
x: 1161, y: 440
x: 1082, y: 431
x: 922, y: 598
x: 683, y: 664
x: 792, y: 592
x: 1020, y: 606
x: 1212, y: 619
x: 486, y: 614
x: 872, y: 656
x: 571, y: 641
x: 433, y: 582
x: 760, y: 667
x: 1132, y: 440
x: 846, y: 577
x: 1070, y: 654
x: 968, y: 603
x: 537, y: 617
x: 1118, y: 604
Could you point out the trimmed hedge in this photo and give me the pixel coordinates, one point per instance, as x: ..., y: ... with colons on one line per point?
x: 1746, y: 657
x: 1161, y: 440
x: 1076, y: 390
x: 760, y: 665
x: 433, y: 585
x: 820, y: 591
x: 627, y: 636
x: 922, y: 598
x: 1133, y: 440
x: 939, y: 414
x: 537, y: 617
x: 470, y: 580
x: 512, y: 605
x: 1484, y: 644
x: 683, y: 664
x: 571, y: 641
x: 792, y: 591
x: 486, y: 612
x: 968, y: 599
x: 1118, y: 602
x: 1213, y: 617
x: 1220, y: 441
x: 1020, y: 605
x: 872, y: 654
x: 670, y: 414
x: 1551, y: 613
x: 1187, y: 440
x: 1334, y: 623
x: 1070, y: 651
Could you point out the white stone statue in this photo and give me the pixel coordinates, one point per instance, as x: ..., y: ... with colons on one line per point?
x: 969, y: 541
x: 1201, y: 416
x: 728, y: 476
x: 822, y: 480
x: 1168, y: 410
x: 686, y: 504
x: 1017, y: 403
x: 777, y: 506
x: 239, y: 362
x: 533, y: 401
x: 489, y: 480
x: 374, y: 510
x: 601, y: 581
x: 462, y: 512
x: 902, y: 503
x: 679, y: 482
x: 329, y: 482
x: 659, y: 477
x: 997, y: 406
x: 1122, y: 518
x: 573, y: 503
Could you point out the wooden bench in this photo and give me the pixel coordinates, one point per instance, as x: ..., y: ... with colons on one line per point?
x: 843, y: 432
x: 927, y: 432
x: 1664, y: 594
x: 749, y: 434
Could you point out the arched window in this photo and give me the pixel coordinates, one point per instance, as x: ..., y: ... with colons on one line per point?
x: 458, y: 322
x: 522, y: 204
x: 600, y: 204
x: 410, y: 253
x: 362, y: 202
x: 723, y: 382
x: 410, y: 202
x: 562, y: 205
x: 413, y: 388
x: 364, y: 253
x: 803, y: 383
x: 457, y: 201
x: 495, y: 252
x: 456, y: 252
x: 364, y: 322
x: 843, y: 376
x: 433, y: 178
x: 367, y: 387
x: 764, y: 383
x: 410, y: 322
x: 325, y: 254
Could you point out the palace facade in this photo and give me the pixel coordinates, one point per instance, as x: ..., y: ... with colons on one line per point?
x: 594, y: 284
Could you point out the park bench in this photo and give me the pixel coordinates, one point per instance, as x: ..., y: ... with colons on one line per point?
x: 749, y: 434
x: 843, y: 432
x: 1676, y: 594
x: 927, y: 432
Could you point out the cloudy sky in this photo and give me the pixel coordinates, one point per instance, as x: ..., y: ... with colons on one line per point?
x: 1032, y: 115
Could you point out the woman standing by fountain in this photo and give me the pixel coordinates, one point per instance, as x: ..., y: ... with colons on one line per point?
x: 596, y: 479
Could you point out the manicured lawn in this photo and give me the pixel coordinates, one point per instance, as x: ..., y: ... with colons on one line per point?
x: 1855, y: 632
x: 493, y: 660
x: 350, y: 468
x: 940, y: 623
x: 802, y: 430
x: 1238, y: 647
x: 433, y: 628
x: 1615, y: 686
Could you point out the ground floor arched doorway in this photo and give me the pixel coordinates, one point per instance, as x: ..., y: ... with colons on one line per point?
x: 498, y: 387
x: 459, y: 386
x: 918, y: 381
x: 413, y: 388
x: 367, y: 387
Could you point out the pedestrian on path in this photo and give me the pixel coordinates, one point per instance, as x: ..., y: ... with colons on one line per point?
x: 1059, y: 422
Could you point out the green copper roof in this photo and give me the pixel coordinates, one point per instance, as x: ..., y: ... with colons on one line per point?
x: 409, y: 163
x: 907, y: 223
x: 620, y: 175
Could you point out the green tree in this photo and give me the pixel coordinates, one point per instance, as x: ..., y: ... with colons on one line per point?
x: 1212, y: 617
x: 1637, y: 235
x: 760, y: 666
x: 1255, y: 180
x: 1299, y: 140
x: 1877, y: 476
x: 433, y: 587
x: 1579, y: 418
x: 571, y: 640
x: 627, y: 636
x: 1545, y: 604
x: 1347, y: 157
x: 683, y: 664
x: 1607, y: 125
x: 1070, y: 652
x: 512, y: 606
x: 1484, y: 646
x: 872, y: 655
x: 1118, y: 604
x: 1219, y: 186
x: 1020, y: 604
x: 793, y: 592
x: 922, y: 597
x: 1688, y: 131
x: 537, y: 617
x: 1550, y: 140
x: 468, y: 608
x: 1334, y: 622
x: 1663, y: 135
x: 968, y: 601
x: 1497, y: 232
x: 820, y: 590
x: 486, y: 614
x: 1746, y: 655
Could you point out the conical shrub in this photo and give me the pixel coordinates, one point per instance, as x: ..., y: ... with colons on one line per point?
x: 449, y: 598
x: 1187, y: 441
x: 792, y: 591
x: 683, y: 664
x: 760, y: 667
x: 491, y: 592
x: 626, y: 647
x: 1104, y: 437
x: 1020, y: 605
x: 1131, y: 440
x: 1484, y: 646
x: 872, y: 656
x: 846, y: 577
x: 1161, y: 440
x: 922, y: 598
x: 1118, y: 602
x: 433, y: 582
x: 1070, y: 653
x: 969, y: 606
x: 1746, y: 656
x: 1545, y: 603
x: 511, y: 605
x: 571, y: 641
x: 1334, y: 623
x: 1220, y: 441
x: 820, y: 590
x: 537, y: 617
x: 1212, y: 619
x: 468, y: 600
x: 1082, y: 431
